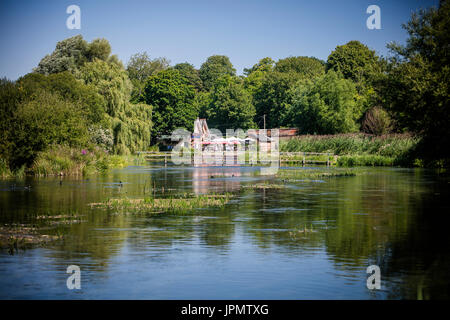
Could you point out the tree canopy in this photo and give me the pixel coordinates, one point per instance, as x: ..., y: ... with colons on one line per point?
x: 416, y: 88
x: 172, y: 99
x: 230, y: 106
x: 70, y: 54
x: 326, y: 105
x: 355, y: 61
x: 213, y: 68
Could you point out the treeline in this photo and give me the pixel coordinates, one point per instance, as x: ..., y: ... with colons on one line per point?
x: 81, y: 96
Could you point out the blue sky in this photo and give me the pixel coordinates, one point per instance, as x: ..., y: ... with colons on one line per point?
x: 246, y: 31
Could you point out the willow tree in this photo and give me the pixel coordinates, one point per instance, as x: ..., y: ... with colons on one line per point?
x: 131, y: 124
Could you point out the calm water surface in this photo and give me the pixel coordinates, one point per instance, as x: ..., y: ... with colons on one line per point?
x: 251, y: 249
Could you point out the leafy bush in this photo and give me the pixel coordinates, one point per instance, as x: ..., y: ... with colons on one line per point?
x: 377, y: 121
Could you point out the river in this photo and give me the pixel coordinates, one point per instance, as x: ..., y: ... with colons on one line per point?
x: 308, y: 240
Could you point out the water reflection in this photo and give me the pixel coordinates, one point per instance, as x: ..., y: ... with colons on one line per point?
x: 307, y: 240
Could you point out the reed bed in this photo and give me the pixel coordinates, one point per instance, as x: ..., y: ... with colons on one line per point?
x: 359, y: 149
x: 173, y: 204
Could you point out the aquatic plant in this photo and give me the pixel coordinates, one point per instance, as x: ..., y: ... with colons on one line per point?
x: 174, y: 204
x: 289, y: 175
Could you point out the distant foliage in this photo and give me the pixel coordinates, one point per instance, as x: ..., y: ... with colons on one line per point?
x: 272, y: 98
x: 307, y: 67
x: 230, y: 106
x: 172, y: 99
x: 214, y: 68
x: 44, y: 120
x: 354, y: 61
x: 188, y: 71
x: 70, y: 54
x: 139, y: 68
x: 327, y: 105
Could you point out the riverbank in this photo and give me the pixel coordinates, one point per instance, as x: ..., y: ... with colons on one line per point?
x: 360, y: 149
x: 66, y: 161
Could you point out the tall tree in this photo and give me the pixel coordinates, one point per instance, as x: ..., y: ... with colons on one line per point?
x: 172, y: 99
x: 355, y: 61
x: 272, y: 98
x: 139, y: 68
x: 416, y: 89
x: 326, y: 105
x: 131, y: 124
x: 71, y: 54
x: 213, y: 68
x: 307, y: 67
x: 188, y: 71
x: 230, y: 105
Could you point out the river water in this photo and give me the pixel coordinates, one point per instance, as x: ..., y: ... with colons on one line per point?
x: 255, y: 247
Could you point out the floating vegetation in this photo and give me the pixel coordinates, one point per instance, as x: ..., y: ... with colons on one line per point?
x: 315, y: 174
x: 264, y: 186
x: 18, y: 237
x: 301, y: 232
x: 175, y: 204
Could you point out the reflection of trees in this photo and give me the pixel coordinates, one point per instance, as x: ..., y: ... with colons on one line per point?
x: 421, y: 258
x: 390, y: 219
x: 393, y: 219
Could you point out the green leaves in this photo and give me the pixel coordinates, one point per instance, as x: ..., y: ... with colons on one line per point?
x: 325, y: 106
x: 230, y: 106
x: 173, y: 102
x: 214, y: 68
x: 70, y: 54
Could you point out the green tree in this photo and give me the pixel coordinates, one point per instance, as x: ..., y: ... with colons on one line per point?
x: 139, y: 68
x: 131, y: 124
x: 70, y: 55
x: 355, y: 61
x: 10, y: 98
x: 213, y: 68
x: 272, y: 98
x: 263, y: 65
x: 43, y: 120
x: 172, y: 99
x: 230, y: 106
x: 188, y: 71
x: 91, y: 103
x: 326, y: 105
x: 271, y: 88
x: 416, y: 89
x: 307, y: 67
x: 111, y: 81
x: 256, y: 75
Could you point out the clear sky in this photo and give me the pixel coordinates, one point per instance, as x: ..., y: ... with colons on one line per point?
x: 190, y: 30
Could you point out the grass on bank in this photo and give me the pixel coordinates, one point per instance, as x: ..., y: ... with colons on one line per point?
x: 64, y: 160
x: 359, y: 149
